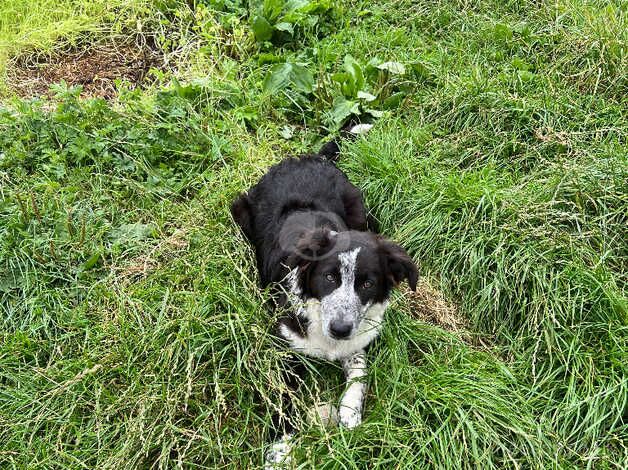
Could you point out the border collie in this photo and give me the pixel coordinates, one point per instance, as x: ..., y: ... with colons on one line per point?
x: 331, y: 275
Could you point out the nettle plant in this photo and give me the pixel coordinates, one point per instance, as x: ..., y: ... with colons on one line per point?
x: 277, y: 21
x: 361, y: 92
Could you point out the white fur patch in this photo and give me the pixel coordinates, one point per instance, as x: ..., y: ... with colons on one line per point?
x: 360, y: 129
x: 343, y: 303
x: 278, y: 456
x: 350, y: 412
x: 319, y: 345
x: 317, y: 342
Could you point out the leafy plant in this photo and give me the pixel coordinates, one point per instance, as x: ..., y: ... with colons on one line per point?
x: 278, y: 21
x: 357, y: 91
x: 282, y: 76
x: 366, y: 90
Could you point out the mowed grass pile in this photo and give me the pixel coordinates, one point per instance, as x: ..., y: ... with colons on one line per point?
x: 132, y: 331
x: 41, y: 26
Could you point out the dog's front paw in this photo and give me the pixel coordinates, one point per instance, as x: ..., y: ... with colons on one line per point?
x: 349, y: 417
x: 278, y: 456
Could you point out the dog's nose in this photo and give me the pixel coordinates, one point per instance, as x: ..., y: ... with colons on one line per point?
x: 340, y: 329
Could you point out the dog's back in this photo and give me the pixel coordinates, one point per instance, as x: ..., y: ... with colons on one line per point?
x: 310, y: 183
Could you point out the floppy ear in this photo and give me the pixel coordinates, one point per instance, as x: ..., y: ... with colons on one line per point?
x: 241, y: 212
x: 399, y: 265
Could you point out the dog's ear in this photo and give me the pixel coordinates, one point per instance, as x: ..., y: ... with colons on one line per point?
x: 397, y: 264
x: 241, y: 212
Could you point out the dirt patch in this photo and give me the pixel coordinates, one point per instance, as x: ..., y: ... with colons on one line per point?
x: 429, y: 305
x: 547, y: 134
x: 143, y: 265
x: 96, y: 69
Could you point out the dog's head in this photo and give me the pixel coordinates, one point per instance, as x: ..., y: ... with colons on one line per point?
x: 350, y: 276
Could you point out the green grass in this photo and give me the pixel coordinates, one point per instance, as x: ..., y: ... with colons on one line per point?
x: 132, y: 334
x: 41, y: 26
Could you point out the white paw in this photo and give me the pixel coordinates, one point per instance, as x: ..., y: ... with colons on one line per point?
x: 349, y: 417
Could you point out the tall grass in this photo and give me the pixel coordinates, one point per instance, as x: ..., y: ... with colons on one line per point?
x: 132, y: 333
x: 528, y: 264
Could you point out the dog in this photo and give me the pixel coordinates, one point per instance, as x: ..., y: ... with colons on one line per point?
x: 330, y: 272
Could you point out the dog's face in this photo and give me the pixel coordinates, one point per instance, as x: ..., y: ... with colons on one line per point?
x: 349, y: 276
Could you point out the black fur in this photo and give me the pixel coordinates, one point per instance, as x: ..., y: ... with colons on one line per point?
x: 307, y: 184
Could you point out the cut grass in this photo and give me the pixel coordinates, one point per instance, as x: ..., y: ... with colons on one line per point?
x: 133, y: 335
x: 40, y: 24
x: 32, y: 28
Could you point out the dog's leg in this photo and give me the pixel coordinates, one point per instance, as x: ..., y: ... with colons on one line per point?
x: 350, y: 411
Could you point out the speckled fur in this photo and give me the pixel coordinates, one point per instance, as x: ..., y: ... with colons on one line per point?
x: 317, y: 341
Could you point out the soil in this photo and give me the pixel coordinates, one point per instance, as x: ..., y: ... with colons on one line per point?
x: 429, y: 305
x: 96, y: 69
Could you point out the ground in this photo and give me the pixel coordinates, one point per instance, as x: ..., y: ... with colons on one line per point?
x: 132, y: 332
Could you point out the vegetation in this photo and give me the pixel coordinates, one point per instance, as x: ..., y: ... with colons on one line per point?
x: 132, y: 333
x: 39, y: 26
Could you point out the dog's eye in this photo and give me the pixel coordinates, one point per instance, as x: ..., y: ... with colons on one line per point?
x: 331, y: 277
x: 367, y: 284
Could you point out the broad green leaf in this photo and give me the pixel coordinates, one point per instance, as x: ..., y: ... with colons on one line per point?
x: 348, y: 89
x: 284, y: 26
x: 340, y: 77
x: 363, y: 95
x: 91, y: 261
x: 354, y: 69
x: 342, y: 109
x: 373, y: 62
x: 371, y: 68
x: 280, y: 76
x: 421, y: 71
x: 292, y: 5
x: 277, y: 78
x: 302, y: 78
x: 272, y: 9
x: 375, y: 113
x: 262, y: 29
x: 311, y: 21
x: 393, y: 101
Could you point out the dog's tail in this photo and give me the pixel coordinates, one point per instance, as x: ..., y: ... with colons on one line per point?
x: 331, y: 150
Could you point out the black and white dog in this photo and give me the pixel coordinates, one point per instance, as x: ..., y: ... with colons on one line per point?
x: 332, y: 276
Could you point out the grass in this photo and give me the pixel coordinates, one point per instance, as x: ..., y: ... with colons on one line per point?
x: 41, y: 26
x: 132, y: 332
